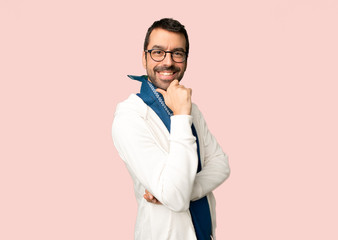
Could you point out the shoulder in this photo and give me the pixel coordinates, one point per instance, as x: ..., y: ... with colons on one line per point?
x: 129, y: 114
x: 129, y: 117
x: 133, y: 105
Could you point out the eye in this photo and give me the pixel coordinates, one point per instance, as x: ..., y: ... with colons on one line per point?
x: 157, y: 52
x: 179, y: 54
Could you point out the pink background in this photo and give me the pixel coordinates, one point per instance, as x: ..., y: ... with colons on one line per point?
x: 264, y: 73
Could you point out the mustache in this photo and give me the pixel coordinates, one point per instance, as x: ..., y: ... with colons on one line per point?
x: 164, y: 68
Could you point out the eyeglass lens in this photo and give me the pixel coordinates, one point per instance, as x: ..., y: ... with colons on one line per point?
x: 159, y: 55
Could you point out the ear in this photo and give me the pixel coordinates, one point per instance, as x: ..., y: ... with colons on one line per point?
x: 144, y: 60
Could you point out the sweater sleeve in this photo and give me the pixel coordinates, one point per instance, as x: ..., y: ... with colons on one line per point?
x: 215, y: 169
x: 169, y: 176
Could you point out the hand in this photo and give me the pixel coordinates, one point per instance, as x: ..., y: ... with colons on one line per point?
x: 177, y: 98
x: 150, y: 198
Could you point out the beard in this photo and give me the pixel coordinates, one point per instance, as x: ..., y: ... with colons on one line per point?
x: 160, y: 83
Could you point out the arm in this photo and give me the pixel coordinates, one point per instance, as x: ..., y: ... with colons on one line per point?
x: 214, y: 172
x: 216, y: 167
x: 169, y: 176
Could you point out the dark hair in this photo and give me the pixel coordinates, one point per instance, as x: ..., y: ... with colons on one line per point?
x: 170, y: 25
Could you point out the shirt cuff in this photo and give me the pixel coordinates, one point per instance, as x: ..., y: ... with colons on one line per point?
x: 181, y: 125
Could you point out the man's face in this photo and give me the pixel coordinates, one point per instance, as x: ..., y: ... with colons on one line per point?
x: 161, y: 74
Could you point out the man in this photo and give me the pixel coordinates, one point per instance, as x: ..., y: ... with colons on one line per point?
x: 174, y: 161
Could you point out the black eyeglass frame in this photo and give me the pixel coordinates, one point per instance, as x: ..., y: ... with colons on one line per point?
x: 165, y: 54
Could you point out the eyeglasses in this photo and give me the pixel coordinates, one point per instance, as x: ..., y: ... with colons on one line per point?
x: 159, y: 55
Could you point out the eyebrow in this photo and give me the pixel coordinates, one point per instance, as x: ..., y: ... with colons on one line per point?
x: 161, y: 47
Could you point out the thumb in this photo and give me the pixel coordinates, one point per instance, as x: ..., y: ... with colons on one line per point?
x: 161, y: 91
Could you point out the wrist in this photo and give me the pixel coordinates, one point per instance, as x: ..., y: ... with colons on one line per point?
x: 182, y: 113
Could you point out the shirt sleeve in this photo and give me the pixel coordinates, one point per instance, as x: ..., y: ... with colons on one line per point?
x: 215, y: 169
x: 169, y: 176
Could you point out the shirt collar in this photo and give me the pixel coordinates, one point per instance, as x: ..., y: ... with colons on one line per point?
x: 149, y: 94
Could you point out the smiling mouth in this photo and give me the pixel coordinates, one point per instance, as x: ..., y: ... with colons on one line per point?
x: 166, y: 73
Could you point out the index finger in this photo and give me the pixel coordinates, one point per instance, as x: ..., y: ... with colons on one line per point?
x: 174, y: 82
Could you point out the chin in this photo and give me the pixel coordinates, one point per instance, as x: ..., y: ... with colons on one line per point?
x: 163, y: 87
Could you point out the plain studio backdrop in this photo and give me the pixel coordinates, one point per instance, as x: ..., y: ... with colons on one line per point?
x: 264, y: 74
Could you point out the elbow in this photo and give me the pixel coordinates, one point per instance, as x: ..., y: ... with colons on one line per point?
x: 226, y: 173
x: 225, y: 169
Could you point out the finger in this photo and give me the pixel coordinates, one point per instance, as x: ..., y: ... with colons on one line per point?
x: 175, y: 82
x: 154, y: 200
x: 145, y: 196
x: 148, y: 194
x: 161, y: 91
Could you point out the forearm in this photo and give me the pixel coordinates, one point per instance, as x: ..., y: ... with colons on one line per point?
x: 215, y: 169
x: 169, y: 176
x: 212, y: 175
x: 181, y: 166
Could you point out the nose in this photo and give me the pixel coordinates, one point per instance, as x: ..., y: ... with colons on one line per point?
x: 168, y: 61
